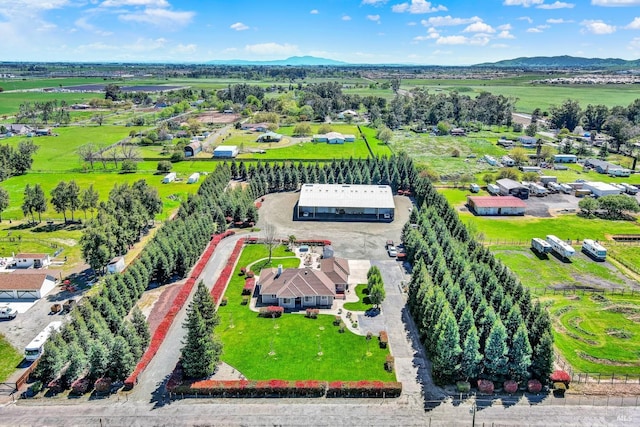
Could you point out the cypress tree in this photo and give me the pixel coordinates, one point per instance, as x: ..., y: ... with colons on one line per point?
x: 204, y: 304
x: 141, y: 326
x: 470, y: 366
x: 495, y: 353
x: 200, y: 352
x: 121, y: 361
x: 465, y: 323
x: 520, y: 355
x: 542, y: 360
x: 98, y: 359
x: 447, y: 349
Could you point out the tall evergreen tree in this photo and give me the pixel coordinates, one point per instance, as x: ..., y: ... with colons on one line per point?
x: 495, y: 353
x: 201, y: 352
x: 470, y: 360
x: 542, y: 360
x: 446, y: 363
x: 520, y: 355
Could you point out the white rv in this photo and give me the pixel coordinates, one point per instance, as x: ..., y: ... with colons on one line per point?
x: 630, y: 189
x: 193, y: 178
x: 560, y: 247
x: 490, y: 160
x: 540, y: 245
x: 34, y: 349
x: 595, y: 249
x: 493, y: 189
x: 566, y: 188
x: 170, y: 177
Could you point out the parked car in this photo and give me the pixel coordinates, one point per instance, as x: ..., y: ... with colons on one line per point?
x: 389, y: 244
x: 392, y: 251
x: 7, y: 312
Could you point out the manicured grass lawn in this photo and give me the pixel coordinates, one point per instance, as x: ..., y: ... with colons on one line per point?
x: 9, y: 360
x: 295, y: 339
x: 597, y: 336
x: 312, y: 150
x: 363, y: 303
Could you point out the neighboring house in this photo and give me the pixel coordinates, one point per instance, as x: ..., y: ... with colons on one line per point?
x: 25, y: 260
x: 80, y: 106
x: 116, y: 265
x: 270, y: 137
x: 296, y: 288
x: 18, y: 129
x: 527, y: 141
x: 347, y: 113
x: 605, y: 167
x: 565, y: 158
x: 43, y: 132
x: 458, y: 132
x: 192, y: 149
x: 225, y: 151
x: 336, y: 269
x: 334, y: 138
x: 489, y: 205
x: 255, y: 127
x: 27, y: 284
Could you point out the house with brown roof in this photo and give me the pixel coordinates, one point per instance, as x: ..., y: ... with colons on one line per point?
x: 26, y: 284
x: 296, y: 287
x: 337, y: 269
x: 255, y: 127
x: 24, y: 260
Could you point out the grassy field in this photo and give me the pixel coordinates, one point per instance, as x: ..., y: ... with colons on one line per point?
x: 627, y: 255
x: 596, y: 333
x: 9, y: 360
x: 9, y: 102
x: 296, y: 340
x: 363, y: 303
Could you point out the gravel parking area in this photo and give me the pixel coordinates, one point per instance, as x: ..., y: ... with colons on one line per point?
x: 551, y: 204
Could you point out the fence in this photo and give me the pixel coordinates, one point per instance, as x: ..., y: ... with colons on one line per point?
x: 518, y: 242
x: 596, y: 377
x: 572, y: 290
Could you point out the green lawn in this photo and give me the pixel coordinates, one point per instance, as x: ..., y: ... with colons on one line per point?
x: 597, y: 334
x: 10, y: 102
x: 627, y: 255
x: 363, y: 303
x: 295, y: 339
x: 9, y: 360
x: 312, y: 151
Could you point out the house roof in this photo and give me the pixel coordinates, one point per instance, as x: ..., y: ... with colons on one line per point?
x: 509, y: 183
x: 116, y: 260
x: 225, y: 148
x: 195, y: 145
x: 295, y: 283
x: 23, y: 280
x: 346, y: 196
x: 30, y: 256
x: 337, y: 269
x: 496, y: 202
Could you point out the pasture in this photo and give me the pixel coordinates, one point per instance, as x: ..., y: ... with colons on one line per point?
x: 9, y: 360
x: 291, y: 347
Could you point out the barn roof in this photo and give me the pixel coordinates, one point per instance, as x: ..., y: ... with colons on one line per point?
x: 346, y: 196
x: 30, y: 256
x: 23, y: 280
x: 496, y: 202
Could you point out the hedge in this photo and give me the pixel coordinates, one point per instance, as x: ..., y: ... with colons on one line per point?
x: 271, y: 311
x: 364, y: 389
x: 221, y: 284
x: 559, y: 376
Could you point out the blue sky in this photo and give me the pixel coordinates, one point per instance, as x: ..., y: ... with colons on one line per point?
x: 357, y: 31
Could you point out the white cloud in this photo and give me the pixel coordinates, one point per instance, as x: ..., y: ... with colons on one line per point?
x: 83, y: 24
x: 230, y: 50
x: 505, y: 34
x: 526, y: 18
x: 140, y: 45
x: 534, y: 30
x: 272, y: 49
x: 159, y: 17
x: 346, y: 18
x: 634, y: 25
x: 479, y: 27
x: 374, y: 2
x: 146, y: 3
x: 559, y: 21
x: 556, y: 5
x: 417, y: 6
x: 615, y: 3
x: 239, y: 26
x: 411, y: 24
x: 505, y: 27
x: 432, y: 33
x: 597, y: 27
x: 499, y: 46
x: 314, y: 12
x: 523, y: 3
x: 374, y: 18
x: 462, y: 40
x: 184, y: 48
x: 448, y: 21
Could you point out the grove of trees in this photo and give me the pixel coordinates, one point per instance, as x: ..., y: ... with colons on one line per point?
x: 16, y: 160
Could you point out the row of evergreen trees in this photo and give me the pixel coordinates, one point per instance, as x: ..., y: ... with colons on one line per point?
x: 111, y: 345
x: 475, y: 318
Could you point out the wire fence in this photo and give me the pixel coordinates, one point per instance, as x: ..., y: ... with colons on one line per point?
x: 572, y: 290
x: 519, y: 242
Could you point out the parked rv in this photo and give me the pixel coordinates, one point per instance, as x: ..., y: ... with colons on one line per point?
x: 170, y: 177
x: 537, y: 189
x: 560, y: 247
x: 630, y: 189
x: 594, y: 249
x: 541, y: 246
x: 565, y: 188
x: 474, y: 188
x: 493, y: 189
x: 490, y: 160
x: 35, y: 348
x: 554, y: 187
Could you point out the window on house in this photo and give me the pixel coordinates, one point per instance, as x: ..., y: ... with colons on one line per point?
x: 308, y: 299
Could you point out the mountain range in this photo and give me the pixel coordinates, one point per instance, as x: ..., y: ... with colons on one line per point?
x: 564, y: 61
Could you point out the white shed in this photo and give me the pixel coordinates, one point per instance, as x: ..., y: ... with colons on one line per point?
x: 193, y: 178
x: 116, y: 265
x: 225, y: 151
x: 24, y: 260
x: 600, y: 189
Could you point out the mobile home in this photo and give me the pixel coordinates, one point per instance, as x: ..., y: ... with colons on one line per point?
x: 560, y: 247
x: 490, y: 160
x: 595, y: 249
x: 34, y: 349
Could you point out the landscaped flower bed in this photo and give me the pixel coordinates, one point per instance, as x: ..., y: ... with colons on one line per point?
x: 560, y: 377
x: 271, y: 311
x: 218, y: 288
x: 364, y: 389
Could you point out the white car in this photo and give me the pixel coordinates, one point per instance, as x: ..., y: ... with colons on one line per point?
x: 7, y: 312
x: 392, y: 251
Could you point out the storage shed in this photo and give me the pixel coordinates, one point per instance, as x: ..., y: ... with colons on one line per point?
x: 345, y: 202
x: 193, y: 178
x: 24, y: 260
x: 487, y: 205
x: 600, y: 189
x: 509, y: 187
x: 225, y: 151
x: 26, y: 284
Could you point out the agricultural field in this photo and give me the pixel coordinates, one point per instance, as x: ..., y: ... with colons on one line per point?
x: 9, y: 102
x: 295, y: 340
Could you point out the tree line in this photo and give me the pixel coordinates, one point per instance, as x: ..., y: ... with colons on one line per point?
x: 475, y: 318
x: 43, y: 112
x: 108, y: 345
x: 16, y: 160
x: 64, y: 197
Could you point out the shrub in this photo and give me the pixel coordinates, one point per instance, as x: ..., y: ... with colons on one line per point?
x: 224, y: 301
x: 250, y: 274
x: 36, y: 387
x: 271, y: 311
x: 128, y: 166
x: 364, y: 389
x: 485, y: 386
x: 463, y: 386
x: 245, y: 301
x: 80, y: 386
x: 102, y: 385
x: 243, y: 271
x: 510, y: 386
x: 342, y: 326
x: 560, y: 376
x: 176, y: 157
x: 312, y: 313
x: 384, y: 339
x: 389, y: 362
x: 534, y: 386
x: 164, y: 166
x: 337, y: 320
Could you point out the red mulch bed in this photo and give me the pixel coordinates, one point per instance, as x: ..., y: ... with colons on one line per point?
x: 162, y: 306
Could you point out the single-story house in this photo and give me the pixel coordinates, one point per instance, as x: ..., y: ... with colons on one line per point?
x: 24, y: 260
x: 116, y: 265
x: 489, y: 205
x: 565, y: 158
x: 226, y: 151
x: 334, y: 138
x: 458, y: 132
x: 270, y: 137
x: 607, y: 168
x: 509, y: 187
x: 527, y: 140
x: 18, y: 129
x: 192, y: 149
x: 347, y: 113
x: 296, y: 287
x: 255, y: 127
x: 27, y: 284
x: 337, y: 269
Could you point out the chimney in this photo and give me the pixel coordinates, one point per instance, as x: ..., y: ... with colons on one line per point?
x: 279, y: 270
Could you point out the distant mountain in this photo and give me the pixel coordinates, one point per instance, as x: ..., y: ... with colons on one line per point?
x: 564, y: 61
x: 294, y: 60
